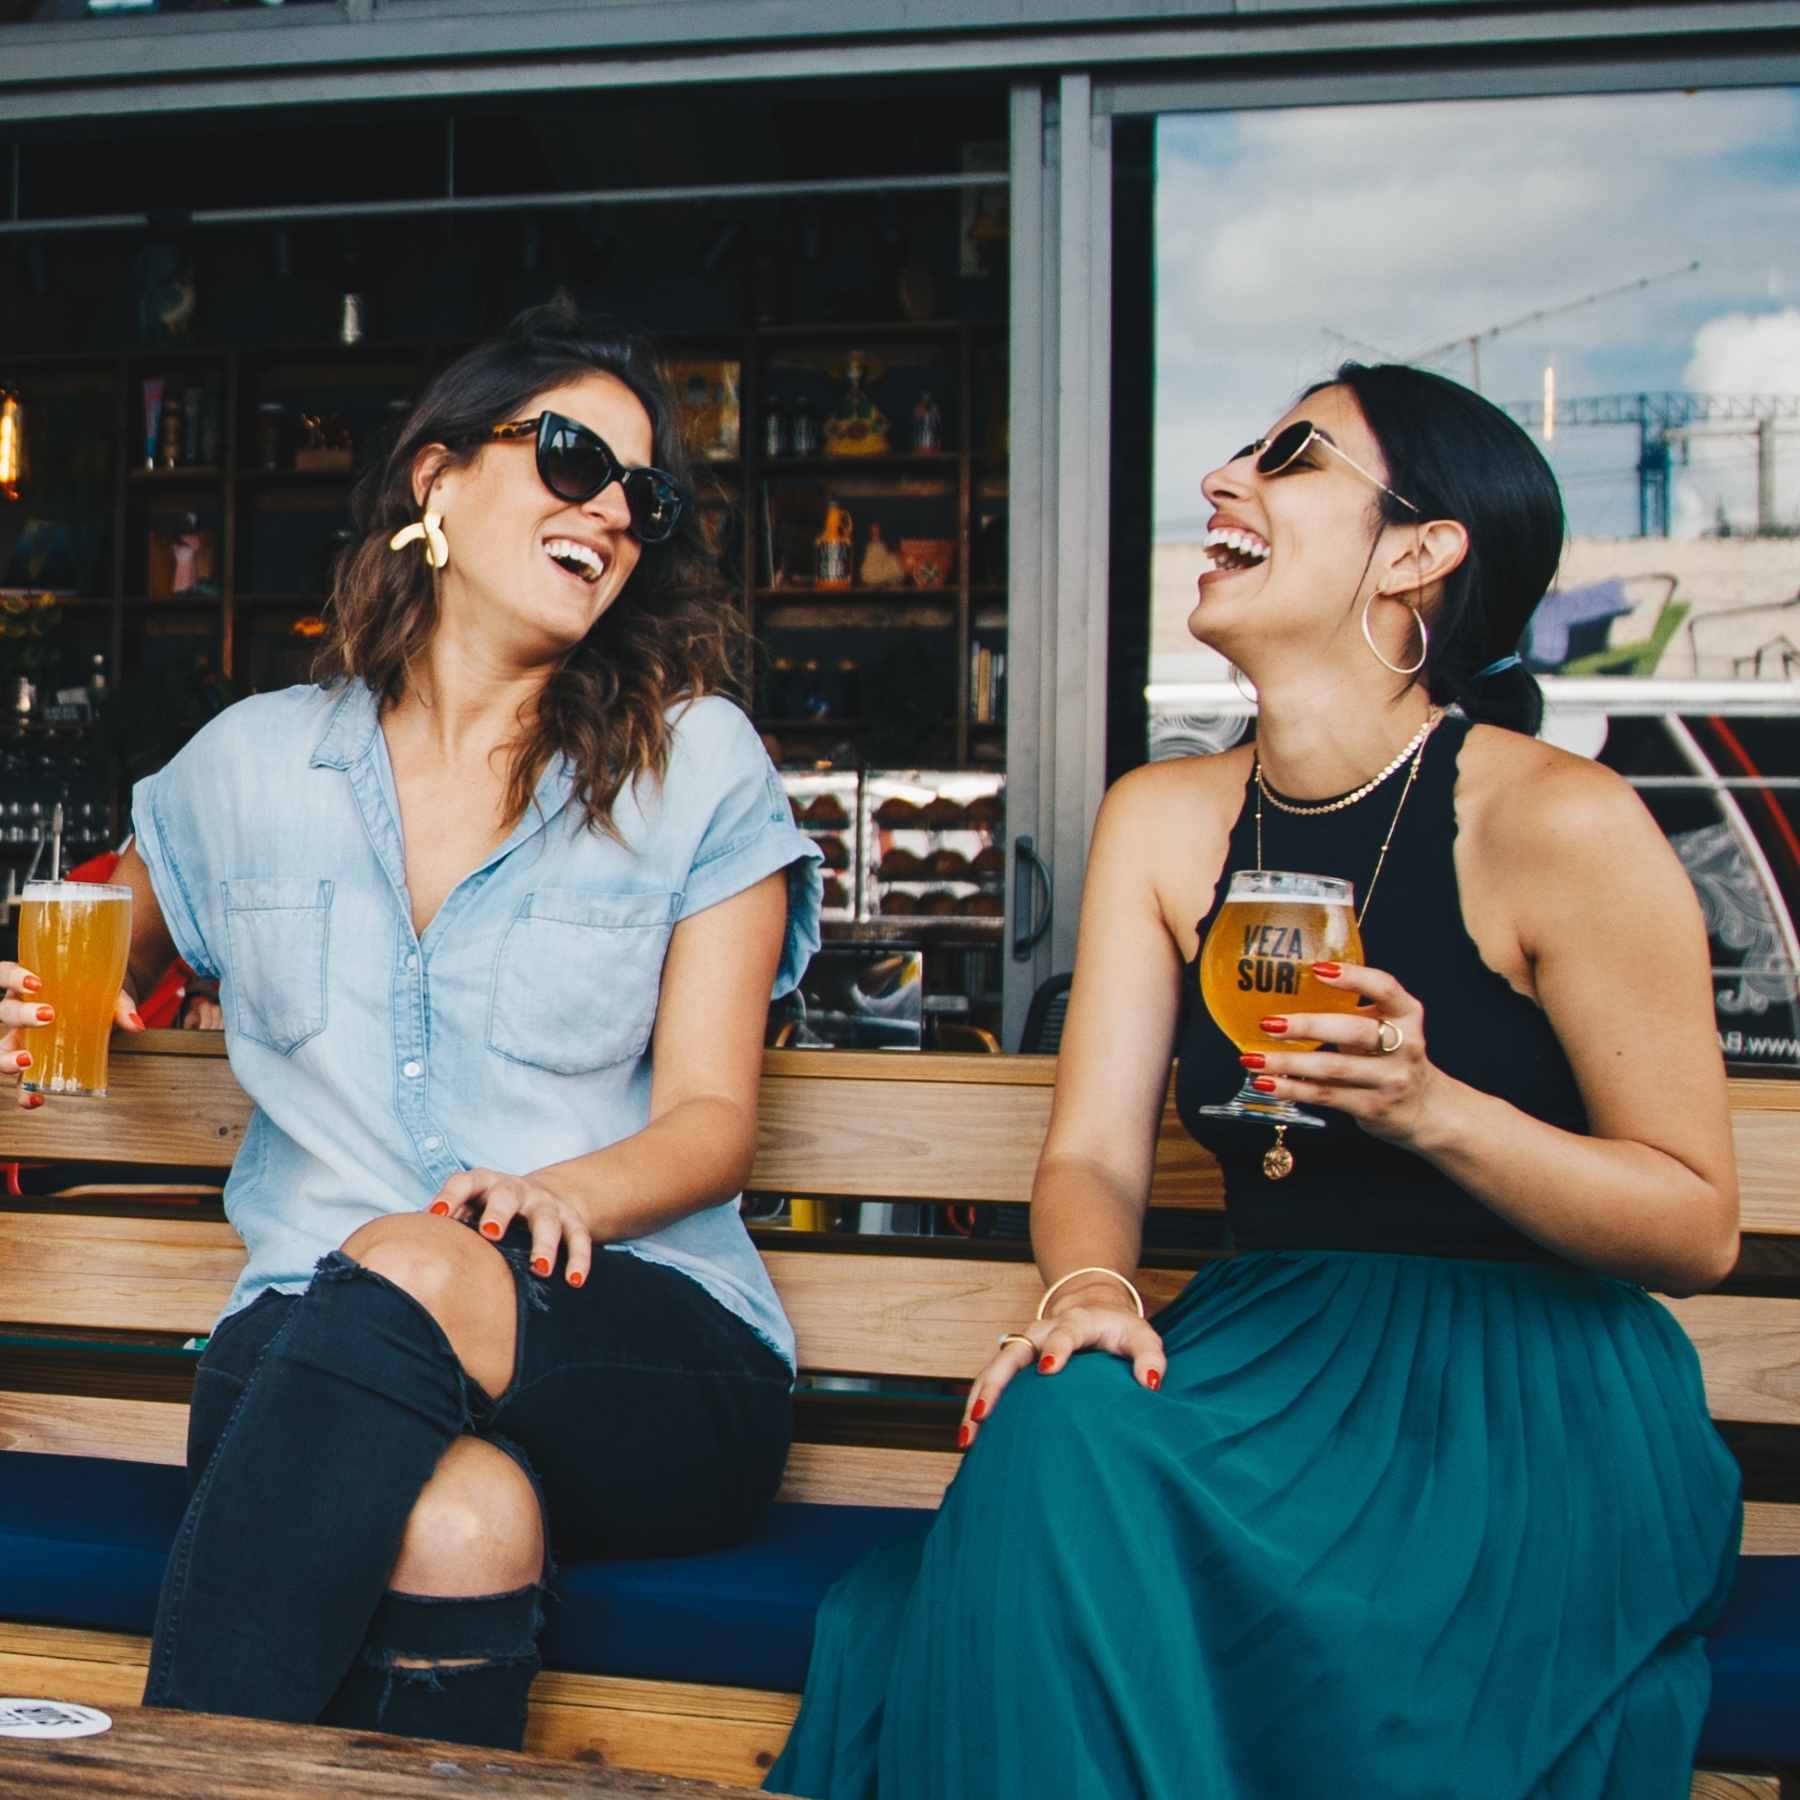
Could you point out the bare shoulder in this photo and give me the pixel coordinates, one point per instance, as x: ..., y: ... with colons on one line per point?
x: 1163, y: 831
x: 1519, y: 797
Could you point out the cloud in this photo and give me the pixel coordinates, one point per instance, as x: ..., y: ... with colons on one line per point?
x: 1400, y: 227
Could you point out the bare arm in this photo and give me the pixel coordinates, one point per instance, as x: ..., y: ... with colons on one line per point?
x: 698, y: 1147
x: 1609, y: 936
x: 1158, y: 846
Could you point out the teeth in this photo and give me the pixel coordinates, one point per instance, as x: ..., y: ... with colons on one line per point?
x: 578, y: 559
x: 1234, y: 544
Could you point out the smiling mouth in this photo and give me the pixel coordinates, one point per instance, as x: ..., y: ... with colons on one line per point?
x: 1231, y: 549
x: 580, y: 560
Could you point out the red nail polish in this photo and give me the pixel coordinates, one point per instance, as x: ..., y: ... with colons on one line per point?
x: 540, y: 1265
x: 45, y: 1014
x: 24, y: 1059
x: 440, y: 1207
x: 1046, y: 1364
x: 489, y: 1228
x: 1253, y: 1059
x: 34, y: 1100
x: 963, y: 1435
x: 978, y: 1411
x: 1273, y: 1027
x: 1329, y: 970
x: 135, y: 1022
x: 31, y: 984
x: 1264, y: 1084
x: 1153, y: 1379
x: 576, y: 1278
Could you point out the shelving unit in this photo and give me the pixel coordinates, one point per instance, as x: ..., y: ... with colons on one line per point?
x: 272, y: 527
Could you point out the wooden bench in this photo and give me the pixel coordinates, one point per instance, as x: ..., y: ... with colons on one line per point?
x: 100, y: 1286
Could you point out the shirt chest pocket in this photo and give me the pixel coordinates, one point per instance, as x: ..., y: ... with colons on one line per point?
x: 577, y: 978
x: 277, y: 928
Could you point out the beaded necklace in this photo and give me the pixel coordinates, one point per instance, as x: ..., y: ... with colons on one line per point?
x: 1415, y: 749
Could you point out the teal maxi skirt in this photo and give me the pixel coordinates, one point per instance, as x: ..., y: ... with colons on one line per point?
x: 1394, y: 1526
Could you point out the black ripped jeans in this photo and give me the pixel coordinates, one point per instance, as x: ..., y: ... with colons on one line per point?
x: 652, y: 1421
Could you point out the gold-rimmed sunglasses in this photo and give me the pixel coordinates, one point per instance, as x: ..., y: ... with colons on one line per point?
x: 1276, y: 455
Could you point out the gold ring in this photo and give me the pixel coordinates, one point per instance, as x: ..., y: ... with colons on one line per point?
x: 1382, y: 1028
x: 1018, y: 1337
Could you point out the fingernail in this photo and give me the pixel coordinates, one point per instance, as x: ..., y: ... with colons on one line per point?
x: 978, y: 1411
x: 1046, y: 1364
x: 576, y: 1278
x: 45, y: 1014
x: 31, y: 984
x: 1264, y: 1084
x: 1274, y: 1027
x: 1253, y: 1060
x: 1153, y: 1380
x: 540, y: 1265
x: 135, y: 1022
x: 1329, y: 970
x: 440, y: 1207
x: 32, y: 1100
x: 24, y: 1059
x: 489, y: 1228
x: 963, y: 1435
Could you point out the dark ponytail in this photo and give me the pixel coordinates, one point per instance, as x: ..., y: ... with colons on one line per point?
x: 1458, y: 456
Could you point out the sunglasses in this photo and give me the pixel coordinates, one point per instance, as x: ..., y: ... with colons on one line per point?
x: 575, y: 464
x: 1277, y: 455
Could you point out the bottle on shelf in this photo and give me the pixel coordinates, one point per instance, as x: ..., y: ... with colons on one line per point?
x: 831, y: 563
x: 927, y: 426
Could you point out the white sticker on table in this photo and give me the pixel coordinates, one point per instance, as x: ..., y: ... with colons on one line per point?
x: 50, y: 1719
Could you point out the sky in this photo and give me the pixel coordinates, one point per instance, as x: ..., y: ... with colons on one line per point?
x: 1289, y: 239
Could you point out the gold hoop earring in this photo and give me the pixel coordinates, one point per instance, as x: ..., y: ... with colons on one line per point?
x: 1375, y: 649
x: 1248, y: 690
x: 431, y: 530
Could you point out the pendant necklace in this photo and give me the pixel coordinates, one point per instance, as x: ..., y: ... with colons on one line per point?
x: 1278, y: 1160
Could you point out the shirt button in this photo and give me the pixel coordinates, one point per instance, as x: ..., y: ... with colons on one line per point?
x: 412, y: 962
x: 433, y: 1143
x: 412, y: 1070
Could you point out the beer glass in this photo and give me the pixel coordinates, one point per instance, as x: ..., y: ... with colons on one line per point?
x: 74, y: 936
x: 1258, y: 960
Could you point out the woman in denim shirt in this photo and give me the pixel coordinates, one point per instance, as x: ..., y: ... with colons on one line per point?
x: 497, y: 916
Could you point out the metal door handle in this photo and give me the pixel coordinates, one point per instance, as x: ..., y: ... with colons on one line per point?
x: 1029, y: 873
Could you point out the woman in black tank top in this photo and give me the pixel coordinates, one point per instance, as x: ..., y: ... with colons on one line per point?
x: 1415, y: 1495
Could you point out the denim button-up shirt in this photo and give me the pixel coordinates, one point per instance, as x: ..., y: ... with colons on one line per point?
x: 514, y: 1033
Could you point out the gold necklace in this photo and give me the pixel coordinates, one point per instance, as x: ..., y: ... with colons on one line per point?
x: 1362, y: 793
x: 1278, y: 1160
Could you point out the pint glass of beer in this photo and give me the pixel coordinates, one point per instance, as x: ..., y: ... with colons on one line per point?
x: 1258, y: 960
x: 74, y: 936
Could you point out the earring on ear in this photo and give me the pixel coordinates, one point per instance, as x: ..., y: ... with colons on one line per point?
x: 1418, y: 619
x: 431, y: 530
x: 1243, y: 686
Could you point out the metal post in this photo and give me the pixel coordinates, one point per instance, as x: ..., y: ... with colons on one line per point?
x: 1061, y: 450
x: 1765, y: 477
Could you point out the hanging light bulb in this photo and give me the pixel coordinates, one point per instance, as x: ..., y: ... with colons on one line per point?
x: 12, y: 445
x: 1549, y: 403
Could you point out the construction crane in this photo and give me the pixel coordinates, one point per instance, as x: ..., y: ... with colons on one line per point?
x: 1666, y: 419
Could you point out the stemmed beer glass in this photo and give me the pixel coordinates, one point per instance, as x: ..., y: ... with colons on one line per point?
x: 1258, y: 960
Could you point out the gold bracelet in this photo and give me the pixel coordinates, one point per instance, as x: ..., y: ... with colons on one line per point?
x: 1050, y: 1291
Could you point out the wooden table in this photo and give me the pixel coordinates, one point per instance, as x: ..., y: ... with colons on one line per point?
x: 202, y: 1756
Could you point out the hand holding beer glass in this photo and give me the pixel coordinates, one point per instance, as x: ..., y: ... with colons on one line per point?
x: 74, y: 939
x: 1258, y: 960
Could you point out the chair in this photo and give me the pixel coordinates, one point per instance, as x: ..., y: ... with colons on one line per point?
x: 967, y: 1039
x: 1043, y: 1031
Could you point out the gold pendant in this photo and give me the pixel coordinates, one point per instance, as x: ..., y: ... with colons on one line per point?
x: 1279, y: 1159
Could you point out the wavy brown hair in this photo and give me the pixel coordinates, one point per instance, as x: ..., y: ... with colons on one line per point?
x: 673, y: 632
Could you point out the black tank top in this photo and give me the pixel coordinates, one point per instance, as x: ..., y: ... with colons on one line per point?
x: 1350, y: 1191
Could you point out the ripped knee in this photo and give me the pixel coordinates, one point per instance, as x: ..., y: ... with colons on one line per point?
x: 477, y: 1527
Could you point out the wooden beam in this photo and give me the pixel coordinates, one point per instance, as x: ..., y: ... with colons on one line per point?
x: 150, y: 1431
x: 867, y: 1475
x: 1771, y: 1530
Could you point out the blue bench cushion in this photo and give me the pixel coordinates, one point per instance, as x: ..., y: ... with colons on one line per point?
x: 83, y: 1542
x: 1755, y: 1653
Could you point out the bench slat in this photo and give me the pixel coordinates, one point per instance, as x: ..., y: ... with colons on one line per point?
x: 104, y: 1274
x: 1750, y: 1353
